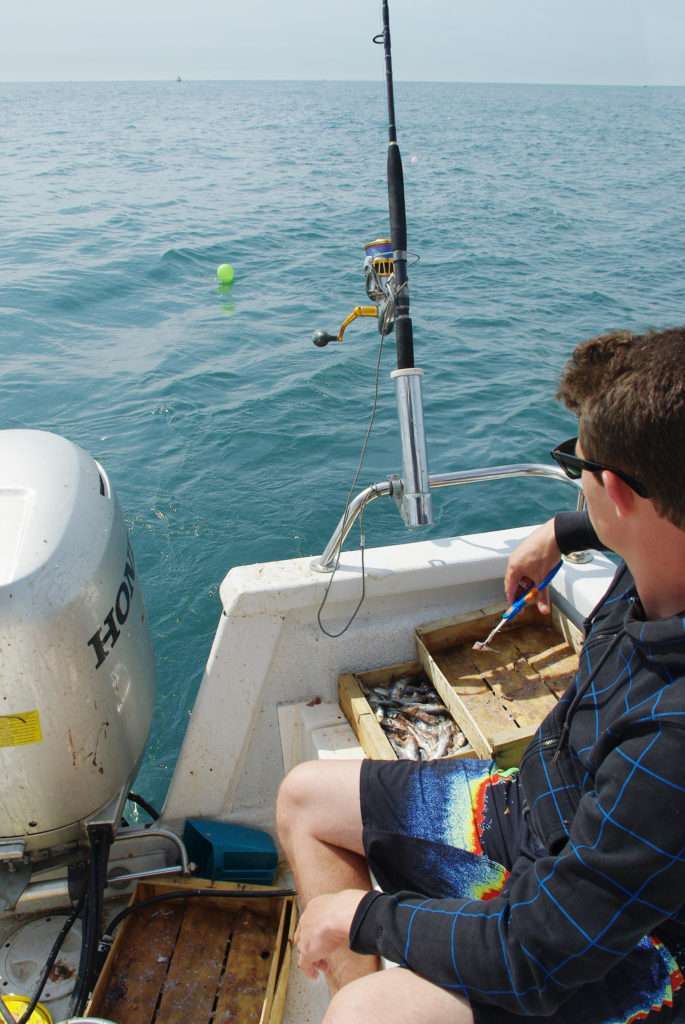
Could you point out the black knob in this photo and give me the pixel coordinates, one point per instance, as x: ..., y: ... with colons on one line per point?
x: 321, y: 338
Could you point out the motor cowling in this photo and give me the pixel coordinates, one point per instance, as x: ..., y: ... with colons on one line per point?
x: 76, y: 661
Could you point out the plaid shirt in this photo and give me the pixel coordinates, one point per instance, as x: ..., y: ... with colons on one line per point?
x: 604, y: 781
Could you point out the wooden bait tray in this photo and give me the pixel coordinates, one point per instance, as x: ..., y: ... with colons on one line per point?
x: 205, y: 960
x: 498, y: 697
x: 360, y: 715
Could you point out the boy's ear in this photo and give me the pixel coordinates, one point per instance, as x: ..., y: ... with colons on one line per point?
x: 619, y: 493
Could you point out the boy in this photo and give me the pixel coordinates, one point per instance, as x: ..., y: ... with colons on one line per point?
x: 555, y: 892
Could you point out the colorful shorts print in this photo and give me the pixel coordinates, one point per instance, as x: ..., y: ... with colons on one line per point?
x: 458, y: 827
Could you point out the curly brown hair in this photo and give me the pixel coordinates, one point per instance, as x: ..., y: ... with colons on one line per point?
x: 628, y: 391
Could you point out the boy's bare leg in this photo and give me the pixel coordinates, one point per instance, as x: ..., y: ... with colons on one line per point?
x: 320, y: 828
x: 396, y: 996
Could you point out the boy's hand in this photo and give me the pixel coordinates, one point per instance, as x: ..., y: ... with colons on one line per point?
x: 324, y: 927
x: 530, y: 562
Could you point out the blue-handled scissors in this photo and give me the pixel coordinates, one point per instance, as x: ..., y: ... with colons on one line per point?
x: 521, y: 602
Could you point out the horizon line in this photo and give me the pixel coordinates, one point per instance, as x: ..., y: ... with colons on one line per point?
x: 340, y: 81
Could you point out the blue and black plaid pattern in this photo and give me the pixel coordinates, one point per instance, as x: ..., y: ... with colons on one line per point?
x: 574, y: 929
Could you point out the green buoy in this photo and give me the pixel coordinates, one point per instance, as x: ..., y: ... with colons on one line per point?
x: 225, y: 273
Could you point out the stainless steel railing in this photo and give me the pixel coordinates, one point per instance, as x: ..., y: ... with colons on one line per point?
x: 393, y: 486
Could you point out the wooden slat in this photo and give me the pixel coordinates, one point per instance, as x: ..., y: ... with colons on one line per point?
x: 463, y: 629
x: 458, y: 665
x: 207, y: 884
x: 559, y: 679
x: 144, y: 952
x: 509, y: 753
x: 466, y: 629
x: 243, y: 985
x: 280, y: 948
x: 523, y: 693
x: 391, y: 673
x: 539, y: 640
x: 358, y: 712
x: 551, y: 657
x: 558, y: 675
x: 196, y: 966
x: 574, y: 636
x: 373, y: 739
x: 459, y: 669
x: 273, y: 1012
x: 494, y: 722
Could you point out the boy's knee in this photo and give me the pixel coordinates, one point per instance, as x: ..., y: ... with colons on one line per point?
x: 346, y: 1007
x: 295, y: 797
x: 396, y: 995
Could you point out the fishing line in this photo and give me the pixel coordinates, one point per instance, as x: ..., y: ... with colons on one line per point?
x: 353, y: 486
x: 387, y: 315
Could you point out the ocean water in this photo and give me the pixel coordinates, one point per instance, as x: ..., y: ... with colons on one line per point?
x: 541, y: 215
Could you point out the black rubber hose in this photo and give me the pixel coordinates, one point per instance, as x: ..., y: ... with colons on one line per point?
x: 49, y: 963
x: 135, y: 798
x: 99, y: 855
x: 86, y: 939
x: 187, y: 894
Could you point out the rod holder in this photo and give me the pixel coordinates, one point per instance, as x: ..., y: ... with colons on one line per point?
x: 326, y: 563
x: 414, y: 497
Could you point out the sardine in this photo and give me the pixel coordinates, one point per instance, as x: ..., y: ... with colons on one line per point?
x: 418, y: 725
x: 409, y: 751
x: 429, y: 713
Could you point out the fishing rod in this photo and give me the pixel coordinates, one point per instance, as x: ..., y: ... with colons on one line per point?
x: 415, y: 499
x: 404, y: 332
x: 387, y: 285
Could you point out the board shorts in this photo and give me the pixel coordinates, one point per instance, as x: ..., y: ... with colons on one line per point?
x: 458, y: 828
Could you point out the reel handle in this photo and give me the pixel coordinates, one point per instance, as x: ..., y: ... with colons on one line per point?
x: 322, y: 338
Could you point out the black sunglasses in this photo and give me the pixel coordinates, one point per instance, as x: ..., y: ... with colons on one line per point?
x: 565, y: 455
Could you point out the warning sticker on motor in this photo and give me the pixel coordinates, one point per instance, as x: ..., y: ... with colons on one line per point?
x: 16, y: 730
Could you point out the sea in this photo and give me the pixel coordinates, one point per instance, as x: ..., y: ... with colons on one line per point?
x: 537, y: 215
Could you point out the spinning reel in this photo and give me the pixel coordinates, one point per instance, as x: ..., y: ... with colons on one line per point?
x: 379, y: 280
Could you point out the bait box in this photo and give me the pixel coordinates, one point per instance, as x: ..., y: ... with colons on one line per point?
x: 499, y: 697
x: 226, y: 852
x: 360, y: 714
x: 201, y: 959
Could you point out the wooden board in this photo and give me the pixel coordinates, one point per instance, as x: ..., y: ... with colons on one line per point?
x: 207, y: 959
x: 279, y: 972
x: 357, y: 710
x: 242, y: 991
x: 198, y: 963
x: 498, y: 697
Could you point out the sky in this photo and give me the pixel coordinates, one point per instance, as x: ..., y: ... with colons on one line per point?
x: 623, y: 42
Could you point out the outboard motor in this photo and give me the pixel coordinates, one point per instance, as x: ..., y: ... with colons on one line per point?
x: 76, y: 662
